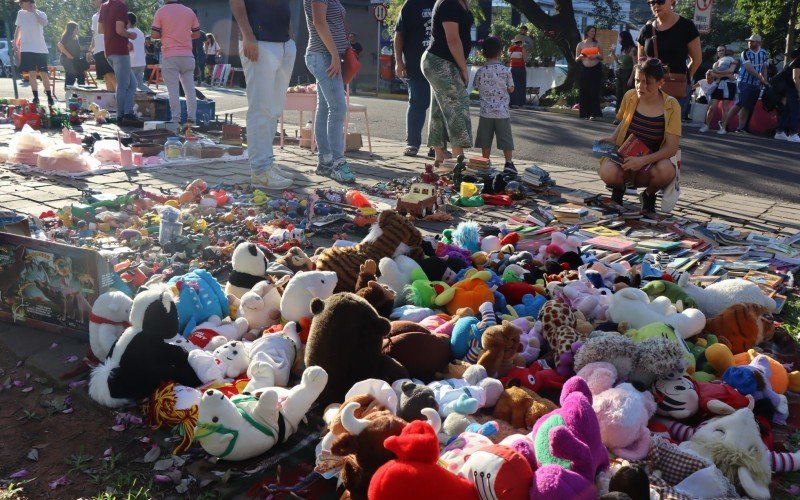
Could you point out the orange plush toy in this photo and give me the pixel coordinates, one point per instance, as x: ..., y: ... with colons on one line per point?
x: 744, y: 325
x: 721, y: 358
x: 415, y: 473
x: 470, y: 292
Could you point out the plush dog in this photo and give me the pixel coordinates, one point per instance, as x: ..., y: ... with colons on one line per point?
x: 228, y: 361
x: 260, y: 306
x: 302, y: 289
x: 140, y: 360
x: 521, y: 407
x: 107, y: 321
x: 249, y: 267
x: 246, y: 426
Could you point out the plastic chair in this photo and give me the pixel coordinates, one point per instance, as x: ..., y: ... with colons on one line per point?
x: 155, y: 75
x: 219, y: 77
x: 356, y: 108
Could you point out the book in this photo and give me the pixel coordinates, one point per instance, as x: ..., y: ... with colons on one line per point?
x: 766, y: 279
x: 633, y: 146
x: 784, y: 252
x: 656, y: 244
x: 601, y: 231
x: 780, y: 301
x: 578, y: 196
x: 616, y: 244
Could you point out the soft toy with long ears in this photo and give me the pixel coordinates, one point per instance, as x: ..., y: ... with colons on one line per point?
x: 246, y: 426
x: 140, y: 360
x: 346, y: 338
x: 107, y: 321
x: 718, y: 296
x: 535, y: 377
x: 391, y: 236
x: 622, y: 411
x: 416, y: 470
x: 249, y: 267
x: 743, y: 325
x: 633, y: 306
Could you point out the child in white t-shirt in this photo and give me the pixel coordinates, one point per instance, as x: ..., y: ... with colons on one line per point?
x: 30, y: 47
x: 138, y: 57
x: 705, y: 88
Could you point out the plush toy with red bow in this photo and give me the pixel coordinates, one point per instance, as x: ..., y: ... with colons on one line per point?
x: 107, y: 321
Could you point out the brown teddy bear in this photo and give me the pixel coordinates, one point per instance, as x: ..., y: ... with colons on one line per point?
x: 345, y: 338
x: 296, y: 260
x: 421, y: 352
x: 379, y: 296
x: 500, y: 347
x: 521, y: 407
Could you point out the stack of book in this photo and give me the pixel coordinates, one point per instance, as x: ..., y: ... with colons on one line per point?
x: 578, y: 196
x: 478, y: 163
x: 570, y: 213
x: 536, y: 176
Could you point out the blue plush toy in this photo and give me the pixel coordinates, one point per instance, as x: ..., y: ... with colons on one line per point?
x: 531, y: 305
x: 467, y: 236
x: 200, y: 296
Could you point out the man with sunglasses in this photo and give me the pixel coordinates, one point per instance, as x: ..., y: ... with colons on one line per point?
x: 752, y: 75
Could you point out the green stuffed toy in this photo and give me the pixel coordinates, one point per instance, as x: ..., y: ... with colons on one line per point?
x: 672, y: 291
x: 423, y: 292
x: 665, y: 331
x: 704, y: 371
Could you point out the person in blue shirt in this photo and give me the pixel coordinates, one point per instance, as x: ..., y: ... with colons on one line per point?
x: 752, y: 75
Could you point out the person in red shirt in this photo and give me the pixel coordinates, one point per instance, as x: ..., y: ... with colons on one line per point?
x: 113, y: 24
x: 517, y: 55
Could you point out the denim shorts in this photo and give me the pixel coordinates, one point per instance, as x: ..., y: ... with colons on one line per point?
x: 747, y: 95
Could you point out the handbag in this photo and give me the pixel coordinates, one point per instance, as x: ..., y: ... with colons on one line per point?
x: 350, y: 65
x: 674, y: 83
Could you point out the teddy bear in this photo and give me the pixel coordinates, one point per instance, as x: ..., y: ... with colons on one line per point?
x: 468, y: 394
x: 559, y: 324
x: 107, y: 320
x: 296, y: 260
x: 249, y: 267
x: 717, y: 297
x: 733, y: 443
x: 301, y: 289
x: 500, y: 347
x: 246, y: 426
x: 391, y: 235
x: 205, y: 335
x: 422, y: 352
x: 521, y: 407
x: 345, y: 338
x: 633, y: 306
x: 416, y: 469
x: 140, y: 360
x: 379, y: 296
x: 271, y: 358
x: 260, y: 306
x: 228, y: 361
x: 622, y: 411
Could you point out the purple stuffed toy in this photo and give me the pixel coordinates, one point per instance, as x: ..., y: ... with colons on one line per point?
x: 564, y: 448
x: 754, y: 380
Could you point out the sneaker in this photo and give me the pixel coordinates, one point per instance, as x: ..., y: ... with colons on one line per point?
x: 781, y: 136
x: 648, y: 202
x: 722, y: 130
x: 270, y: 180
x: 510, y: 170
x: 342, y: 173
x: 793, y: 138
x: 323, y: 169
x: 704, y: 128
x: 282, y: 171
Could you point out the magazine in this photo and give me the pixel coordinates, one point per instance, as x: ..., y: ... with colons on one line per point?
x: 632, y: 146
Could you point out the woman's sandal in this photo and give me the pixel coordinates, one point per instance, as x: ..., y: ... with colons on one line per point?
x: 410, y: 151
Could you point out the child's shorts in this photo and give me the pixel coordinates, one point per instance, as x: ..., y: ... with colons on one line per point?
x: 489, y: 127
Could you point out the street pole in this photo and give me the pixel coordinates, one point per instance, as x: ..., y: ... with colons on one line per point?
x: 12, y: 57
x: 378, y: 62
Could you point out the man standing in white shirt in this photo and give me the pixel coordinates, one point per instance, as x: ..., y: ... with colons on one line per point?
x: 97, y: 49
x: 31, y: 48
x: 138, y: 62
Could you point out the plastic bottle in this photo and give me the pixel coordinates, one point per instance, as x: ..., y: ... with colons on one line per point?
x: 170, y: 226
x: 173, y: 149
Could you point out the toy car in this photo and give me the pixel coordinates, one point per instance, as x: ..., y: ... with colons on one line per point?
x: 421, y: 200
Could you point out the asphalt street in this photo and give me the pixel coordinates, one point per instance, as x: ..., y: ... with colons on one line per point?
x: 734, y: 163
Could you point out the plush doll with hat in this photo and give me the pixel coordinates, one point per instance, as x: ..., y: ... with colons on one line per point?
x: 272, y: 356
x: 107, y: 321
x: 249, y: 267
x: 743, y: 325
x: 521, y: 407
x: 140, y: 360
x: 622, y: 411
x: 416, y: 470
x: 391, y: 235
x: 346, y: 339
x: 754, y: 380
x: 246, y: 426
x: 420, y: 351
x: 717, y: 297
x: 720, y: 358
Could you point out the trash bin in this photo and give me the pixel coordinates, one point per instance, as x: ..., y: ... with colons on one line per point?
x: 386, y: 67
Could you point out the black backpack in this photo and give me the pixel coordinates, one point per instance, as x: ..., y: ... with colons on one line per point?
x: 781, y: 81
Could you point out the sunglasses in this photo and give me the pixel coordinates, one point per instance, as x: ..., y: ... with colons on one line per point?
x: 656, y: 2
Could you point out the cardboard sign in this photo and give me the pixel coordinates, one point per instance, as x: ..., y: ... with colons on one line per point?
x: 49, y: 286
x: 702, y: 15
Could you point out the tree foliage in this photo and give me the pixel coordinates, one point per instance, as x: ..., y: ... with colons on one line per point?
x: 770, y: 19
x: 606, y: 13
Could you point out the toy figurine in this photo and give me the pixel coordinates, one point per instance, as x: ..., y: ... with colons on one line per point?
x: 458, y: 172
x: 428, y: 176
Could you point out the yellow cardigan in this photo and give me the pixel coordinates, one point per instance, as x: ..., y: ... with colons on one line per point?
x: 672, y: 115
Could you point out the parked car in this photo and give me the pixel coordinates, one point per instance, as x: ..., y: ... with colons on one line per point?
x: 5, y: 57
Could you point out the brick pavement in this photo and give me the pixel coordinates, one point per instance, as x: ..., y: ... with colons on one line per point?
x: 33, y: 193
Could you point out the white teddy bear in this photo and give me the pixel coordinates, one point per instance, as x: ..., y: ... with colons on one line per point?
x: 302, y: 288
x: 228, y: 361
x: 633, y: 306
x: 107, y: 321
x: 261, y: 306
x: 205, y: 334
x: 271, y: 358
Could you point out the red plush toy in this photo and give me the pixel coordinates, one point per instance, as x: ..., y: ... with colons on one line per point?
x: 514, y: 291
x: 415, y: 473
x: 535, y: 377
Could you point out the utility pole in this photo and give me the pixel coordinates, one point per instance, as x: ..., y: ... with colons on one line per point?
x: 790, y: 35
x: 11, y: 49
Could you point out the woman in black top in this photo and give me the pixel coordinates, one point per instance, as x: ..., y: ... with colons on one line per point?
x: 589, y: 54
x: 676, y: 38
x: 72, y: 57
x: 444, y: 65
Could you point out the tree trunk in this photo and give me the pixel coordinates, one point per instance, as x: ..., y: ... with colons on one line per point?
x: 561, y: 26
x: 791, y: 36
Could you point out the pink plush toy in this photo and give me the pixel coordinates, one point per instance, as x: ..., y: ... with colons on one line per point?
x: 591, y: 301
x: 622, y: 411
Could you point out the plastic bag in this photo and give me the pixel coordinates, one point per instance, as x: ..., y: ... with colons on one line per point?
x: 66, y: 158
x: 107, y: 151
x: 25, y: 144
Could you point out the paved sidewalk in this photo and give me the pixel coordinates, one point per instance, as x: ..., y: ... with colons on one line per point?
x: 33, y: 193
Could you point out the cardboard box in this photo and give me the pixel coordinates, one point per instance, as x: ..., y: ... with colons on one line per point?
x: 104, y: 99
x: 353, y: 142
x: 50, y: 286
x: 305, y: 138
x: 206, y: 110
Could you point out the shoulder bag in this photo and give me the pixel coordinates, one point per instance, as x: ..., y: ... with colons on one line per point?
x: 674, y: 83
x: 350, y: 63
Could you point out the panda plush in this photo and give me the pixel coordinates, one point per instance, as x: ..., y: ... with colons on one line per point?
x: 249, y: 265
x: 141, y: 359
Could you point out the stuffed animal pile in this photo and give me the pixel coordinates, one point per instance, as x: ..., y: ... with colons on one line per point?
x: 479, y: 364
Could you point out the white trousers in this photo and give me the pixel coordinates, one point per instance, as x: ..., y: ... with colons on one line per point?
x: 175, y: 71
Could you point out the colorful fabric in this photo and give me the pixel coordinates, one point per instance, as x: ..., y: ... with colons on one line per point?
x: 448, y: 93
x: 492, y: 82
x: 672, y: 115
